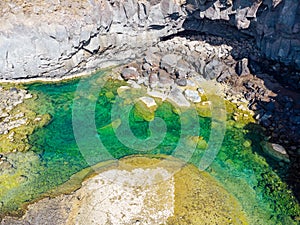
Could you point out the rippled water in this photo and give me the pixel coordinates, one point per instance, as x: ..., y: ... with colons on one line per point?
x: 241, y: 170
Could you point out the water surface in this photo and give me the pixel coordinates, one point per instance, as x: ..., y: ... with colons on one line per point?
x: 239, y: 167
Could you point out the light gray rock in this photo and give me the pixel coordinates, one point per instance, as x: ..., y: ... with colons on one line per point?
x: 213, y: 69
x: 108, y: 32
x: 130, y: 73
x: 153, y: 80
x: 165, y: 78
x: 169, y: 62
x: 192, y: 96
x: 181, y: 81
x: 106, y: 29
x: 176, y: 97
x: 149, y: 102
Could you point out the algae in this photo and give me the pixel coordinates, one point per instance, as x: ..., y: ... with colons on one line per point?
x: 240, y: 168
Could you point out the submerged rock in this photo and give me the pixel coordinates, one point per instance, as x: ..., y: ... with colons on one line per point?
x: 276, y: 151
x: 145, y: 108
x: 140, y: 190
x: 17, y: 119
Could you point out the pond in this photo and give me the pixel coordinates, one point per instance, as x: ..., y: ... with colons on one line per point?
x: 85, y: 129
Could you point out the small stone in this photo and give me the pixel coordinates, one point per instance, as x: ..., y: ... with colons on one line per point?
x: 146, y: 66
x: 181, y: 82
x: 201, y: 91
x: 37, y: 119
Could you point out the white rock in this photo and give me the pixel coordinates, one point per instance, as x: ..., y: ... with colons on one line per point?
x: 157, y: 94
x: 149, y: 102
x: 176, y: 97
x: 192, y: 95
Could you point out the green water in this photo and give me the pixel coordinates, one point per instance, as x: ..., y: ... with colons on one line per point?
x: 241, y: 170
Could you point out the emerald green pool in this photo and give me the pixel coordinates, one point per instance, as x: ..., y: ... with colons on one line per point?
x: 243, y: 171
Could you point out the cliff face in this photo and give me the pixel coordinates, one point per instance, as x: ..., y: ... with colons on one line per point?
x: 274, y: 24
x: 53, y: 39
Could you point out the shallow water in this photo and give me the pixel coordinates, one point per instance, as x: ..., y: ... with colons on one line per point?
x: 87, y: 105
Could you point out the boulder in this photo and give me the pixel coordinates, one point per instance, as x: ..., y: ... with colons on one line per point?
x: 192, y: 95
x: 153, y: 80
x: 242, y: 67
x: 168, y: 62
x: 181, y: 82
x: 176, y: 96
x: 214, y: 69
x: 130, y: 73
x: 275, y: 151
x: 165, y: 78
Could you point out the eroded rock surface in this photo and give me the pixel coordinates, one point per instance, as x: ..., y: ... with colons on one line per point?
x: 274, y: 24
x: 59, y: 38
x: 140, y: 190
x: 54, y: 39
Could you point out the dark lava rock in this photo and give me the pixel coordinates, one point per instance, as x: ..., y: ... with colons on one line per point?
x: 242, y: 67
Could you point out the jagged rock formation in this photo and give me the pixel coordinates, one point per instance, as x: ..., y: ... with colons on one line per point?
x: 274, y: 24
x: 54, y: 39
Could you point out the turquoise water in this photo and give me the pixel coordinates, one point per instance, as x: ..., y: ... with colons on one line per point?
x: 241, y: 170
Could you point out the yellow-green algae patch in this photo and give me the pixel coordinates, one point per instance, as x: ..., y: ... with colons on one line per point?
x: 17, y: 138
x: 200, y: 199
x: 18, y: 166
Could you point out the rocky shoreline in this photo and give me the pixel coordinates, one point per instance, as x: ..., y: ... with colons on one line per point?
x: 177, y: 68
